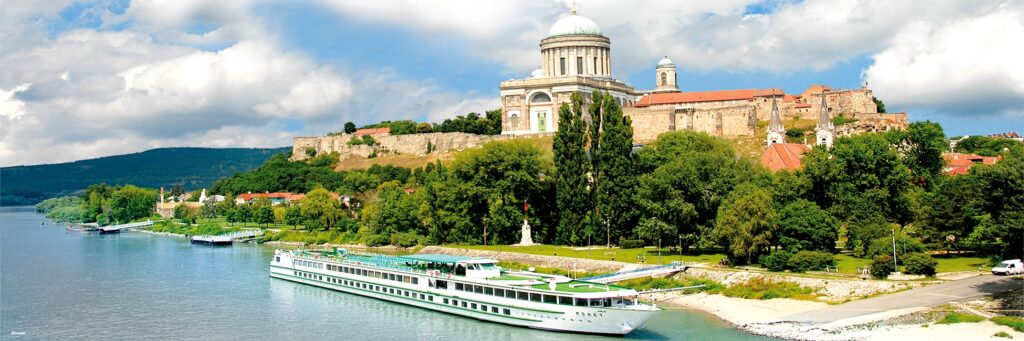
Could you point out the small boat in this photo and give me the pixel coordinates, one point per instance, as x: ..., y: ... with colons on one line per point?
x: 211, y: 240
x: 108, y: 230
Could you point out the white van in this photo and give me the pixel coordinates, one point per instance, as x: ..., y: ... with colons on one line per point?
x: 1009, y: 267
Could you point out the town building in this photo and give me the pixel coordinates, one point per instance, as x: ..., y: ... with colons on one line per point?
x: 960, y: 163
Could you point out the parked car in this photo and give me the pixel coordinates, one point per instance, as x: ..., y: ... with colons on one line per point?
x: 1009, y: 267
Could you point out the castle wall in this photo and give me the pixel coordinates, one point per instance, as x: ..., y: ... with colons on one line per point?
x: 410, y: 144
x: 650, y: 122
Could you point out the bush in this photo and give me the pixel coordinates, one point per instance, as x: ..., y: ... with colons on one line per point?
x: 631, y: 243
x: 776, y: 261
x: 919, y: 263
x: 955, y: 317
x: 1014, y: 322
x: 759, y: 288
x: 882, y: 266
x: 811, y: 260
x: 376, y: 240
x: 904, y: 245
x: 405, y: 239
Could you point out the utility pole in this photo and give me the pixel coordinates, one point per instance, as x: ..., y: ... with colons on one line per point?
x: 485, y: 231
x: 659, y: 250
x: 894, y: 266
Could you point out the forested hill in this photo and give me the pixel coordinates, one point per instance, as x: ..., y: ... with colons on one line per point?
x: 192, y: 167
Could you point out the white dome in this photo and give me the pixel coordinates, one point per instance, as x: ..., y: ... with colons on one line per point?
x: 536, y: 73
x: 666, y: 62
x: 574, y: 25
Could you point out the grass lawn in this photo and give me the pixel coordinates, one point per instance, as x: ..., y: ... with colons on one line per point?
x: 848, y: 264
x: 650, y: 255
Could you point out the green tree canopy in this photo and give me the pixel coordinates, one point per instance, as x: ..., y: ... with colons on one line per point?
x: 746, y: 222
x: 805, y: 226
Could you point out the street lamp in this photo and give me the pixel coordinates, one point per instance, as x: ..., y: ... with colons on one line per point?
x: 894, y: 266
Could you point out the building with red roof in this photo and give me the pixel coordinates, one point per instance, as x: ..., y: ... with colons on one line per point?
x: 960, y: 163
x: 785, y: 156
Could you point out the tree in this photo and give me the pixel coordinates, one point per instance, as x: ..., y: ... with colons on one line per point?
x: 990, y: 146
x: 320, y: 210
x: 243, y: 214
x: 952, y: 210
x: 571, y: 179
x: 746, y: 222
x: 293, y: 216
x: 678, y: 144
x: 130, y: 203
x: 264, y: 215
x: 686, y: 193
x: 391, y: 211
x: 1003, y: 200
x: 350, y: 127
x: 424, y: 128
x: 616, y: 169
x: 805, y: 226
x: 879, y: 104
x: 177, y: 190
x: 922, y: 145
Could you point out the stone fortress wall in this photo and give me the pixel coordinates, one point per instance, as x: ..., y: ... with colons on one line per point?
x: 410, y: 144
x: 650, y: 122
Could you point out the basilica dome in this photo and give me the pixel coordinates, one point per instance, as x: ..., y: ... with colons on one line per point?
x: 574, y: 25
x: 666, y: 62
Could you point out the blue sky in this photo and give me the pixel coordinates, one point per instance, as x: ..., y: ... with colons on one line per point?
x: 124, y: 76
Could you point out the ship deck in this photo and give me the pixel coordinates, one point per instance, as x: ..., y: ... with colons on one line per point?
x: 515, y: 279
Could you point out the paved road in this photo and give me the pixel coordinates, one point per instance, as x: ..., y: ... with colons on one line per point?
x: 928, y: 296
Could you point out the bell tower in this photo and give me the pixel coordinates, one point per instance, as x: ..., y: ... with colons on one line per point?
x: 776, y: 132
x: 665, y: 76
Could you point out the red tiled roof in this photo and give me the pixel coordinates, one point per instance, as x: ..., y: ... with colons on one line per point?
x: 705, y: 96
x: 955, y: 161
x: 1010, y: 134
x: 786, y: 156
x: 373, y: 131
x: 802, y: 105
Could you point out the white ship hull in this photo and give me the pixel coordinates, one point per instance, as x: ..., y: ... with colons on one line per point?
x: 566, y: 318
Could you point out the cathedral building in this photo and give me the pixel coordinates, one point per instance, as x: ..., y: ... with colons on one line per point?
x: 575, y: 57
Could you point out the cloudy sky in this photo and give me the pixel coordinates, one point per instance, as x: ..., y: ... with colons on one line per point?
x: 82, y: 79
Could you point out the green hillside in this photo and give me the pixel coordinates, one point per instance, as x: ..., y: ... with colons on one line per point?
x: 191, y: 167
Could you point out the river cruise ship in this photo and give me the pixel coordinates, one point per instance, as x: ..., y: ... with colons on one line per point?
x: 470, y: 287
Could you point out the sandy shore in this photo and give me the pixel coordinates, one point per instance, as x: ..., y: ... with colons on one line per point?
x: 766, y: 317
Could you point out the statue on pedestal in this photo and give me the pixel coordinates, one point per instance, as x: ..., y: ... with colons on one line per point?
x: 526, y: 239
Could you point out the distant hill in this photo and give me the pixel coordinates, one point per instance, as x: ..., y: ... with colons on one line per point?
x: 192, y: 167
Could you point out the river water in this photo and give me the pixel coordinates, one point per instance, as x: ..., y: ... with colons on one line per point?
x: 56, y: 284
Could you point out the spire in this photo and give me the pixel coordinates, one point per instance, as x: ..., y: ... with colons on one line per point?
x: 776, y: 120
x: 573, y: 7
x: 824, y: 119
x: 776, y: 133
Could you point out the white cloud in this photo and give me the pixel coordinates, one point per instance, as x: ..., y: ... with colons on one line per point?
x: 966, y: 66
x: 10, y: 107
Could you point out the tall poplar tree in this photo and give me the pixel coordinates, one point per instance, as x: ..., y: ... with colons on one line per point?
x: 571, y: 163
x: 616, y: 170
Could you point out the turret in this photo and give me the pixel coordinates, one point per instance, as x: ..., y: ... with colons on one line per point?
x: 665, y: 76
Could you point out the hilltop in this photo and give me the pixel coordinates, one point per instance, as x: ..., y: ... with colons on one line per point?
x: 190, y: 167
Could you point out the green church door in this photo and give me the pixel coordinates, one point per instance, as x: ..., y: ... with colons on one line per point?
x: 542, y: 122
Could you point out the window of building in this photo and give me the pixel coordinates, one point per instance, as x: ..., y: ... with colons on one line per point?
x: 664, y: 78
x: 540, y: 97
x: 595, y: 65
x: 562, y: 60
x: 579, y: 65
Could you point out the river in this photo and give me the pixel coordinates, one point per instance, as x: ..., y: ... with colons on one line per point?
x: 56, y: 284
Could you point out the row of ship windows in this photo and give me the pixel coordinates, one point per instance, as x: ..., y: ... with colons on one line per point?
x: 365, y: 286
x: 430, y: 298
x: 358, y: 272
x: 535, y: 297
x: 474, y: 306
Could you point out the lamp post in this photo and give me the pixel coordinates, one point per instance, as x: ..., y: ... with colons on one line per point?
x: 485, y: 230
x: 659, y: 250
x: 894, y: 266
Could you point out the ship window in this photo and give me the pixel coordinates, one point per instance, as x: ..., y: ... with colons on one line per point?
x: 478, y: 289
x: 523, y: 295
x: 398, y: 278
x: 442, y: 284
x: 446, y: 301
x: 364, y: 272
x: 510, y: 294
x: 564, y: 300
x: 535, y: 297
x: 581, y: 302
x: 506, y: 311
x: 458, y: 286
x: 550, y: 299
x: 499, y: 292
x: 415, y: 280
x: 277, y: 259
x: 391, y: 277
x: 473, y: 306
x: 483, y: 307
x: 488, y: 291
x: 494, y: 310
x: 464, y: 304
